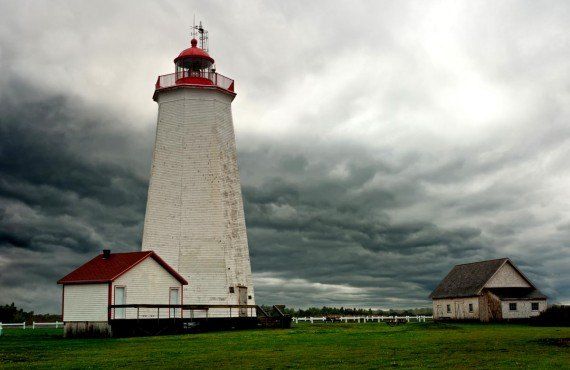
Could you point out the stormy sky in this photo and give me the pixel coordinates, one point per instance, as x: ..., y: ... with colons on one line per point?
x: 379, y: 143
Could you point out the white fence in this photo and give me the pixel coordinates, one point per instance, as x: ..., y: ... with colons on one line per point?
x: 312, y: 320
x: 22, y: 325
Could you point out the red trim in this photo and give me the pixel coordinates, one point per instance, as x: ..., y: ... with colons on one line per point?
x: 62, y: 301
x: 109, y: 299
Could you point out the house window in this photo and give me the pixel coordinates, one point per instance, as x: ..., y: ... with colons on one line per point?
x: 512, y: 306
x: 534, y: 306
x: 470, y: 307
x: 448, y: 308
x: 232, y: 289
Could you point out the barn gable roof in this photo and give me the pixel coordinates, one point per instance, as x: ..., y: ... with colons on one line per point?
x: 468, y: 279
x: 105, y: 270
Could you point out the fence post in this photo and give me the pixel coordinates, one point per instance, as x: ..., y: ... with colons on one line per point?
x: 24, y: 325
x: 311, y: 319
x: 33, y: 324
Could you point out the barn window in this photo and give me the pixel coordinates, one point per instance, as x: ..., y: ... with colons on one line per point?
x: 470, y: 307
x: 231, y: 289
x: 534, y: 306
x: 512, y: 306
x: 448, y: 308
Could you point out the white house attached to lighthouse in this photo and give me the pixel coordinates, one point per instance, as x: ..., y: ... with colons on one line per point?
x: 194, y: 217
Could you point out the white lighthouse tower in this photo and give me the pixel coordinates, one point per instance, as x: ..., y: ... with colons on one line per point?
x: 194, y: 216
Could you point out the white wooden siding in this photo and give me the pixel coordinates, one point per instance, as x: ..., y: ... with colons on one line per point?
x: 148, y: 283
x: 85, y: 302
x: 524, y: 309
x: 507, y: 277
x: 194, y: 217
x: 459, y: 308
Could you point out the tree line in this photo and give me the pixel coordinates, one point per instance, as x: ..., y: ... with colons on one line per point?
x: 10, y: 313
x: 342, y: 311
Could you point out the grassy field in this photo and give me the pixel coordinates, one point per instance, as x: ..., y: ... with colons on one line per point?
x: 369, y: 345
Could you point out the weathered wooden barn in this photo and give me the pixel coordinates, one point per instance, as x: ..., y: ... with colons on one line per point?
x: 491, y: 290
x: 117, y: 279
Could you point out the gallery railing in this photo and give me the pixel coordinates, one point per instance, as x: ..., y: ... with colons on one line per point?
x: 184, y: 77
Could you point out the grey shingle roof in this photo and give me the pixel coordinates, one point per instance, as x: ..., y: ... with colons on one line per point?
x: 467, y: 280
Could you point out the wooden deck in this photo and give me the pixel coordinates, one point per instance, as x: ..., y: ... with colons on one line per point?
x: 160, y: 319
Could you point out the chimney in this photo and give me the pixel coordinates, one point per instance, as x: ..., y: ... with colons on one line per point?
x: 106, y: 253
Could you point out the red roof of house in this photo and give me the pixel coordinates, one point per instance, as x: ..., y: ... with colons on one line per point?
x: 104, y: 270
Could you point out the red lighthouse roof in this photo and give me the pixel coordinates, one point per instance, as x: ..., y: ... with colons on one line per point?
x: 195, y: 53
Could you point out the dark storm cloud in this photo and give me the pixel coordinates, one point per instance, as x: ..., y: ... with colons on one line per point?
x: 68, y: 186
x: 303, y: 224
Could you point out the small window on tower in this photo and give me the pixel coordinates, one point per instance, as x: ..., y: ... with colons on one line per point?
x: 231, y: 289
x: 470, y: 307
x: 448, y: 308
x: 248, y: 297
x: 534, y: 306
x: 512, y: 306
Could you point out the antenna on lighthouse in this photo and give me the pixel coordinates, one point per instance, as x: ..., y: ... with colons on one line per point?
x: 201, y: 34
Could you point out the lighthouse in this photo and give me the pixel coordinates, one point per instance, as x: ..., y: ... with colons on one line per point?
x: 194, y: 215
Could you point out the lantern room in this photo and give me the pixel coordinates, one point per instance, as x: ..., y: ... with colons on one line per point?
x: 194, y: 65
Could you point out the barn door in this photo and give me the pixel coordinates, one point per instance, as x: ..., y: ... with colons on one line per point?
x: 119, y: 299
x: 242, y: 300
x: 458, y: 310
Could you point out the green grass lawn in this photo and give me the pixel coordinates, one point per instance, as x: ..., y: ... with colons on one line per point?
x: 370, y: 345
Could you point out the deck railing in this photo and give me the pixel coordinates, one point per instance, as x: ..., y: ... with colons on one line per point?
x: 177, y: 79
x: 179, y: 311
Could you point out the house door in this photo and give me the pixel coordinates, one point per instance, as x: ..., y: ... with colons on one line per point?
x: 242, y: 300
x: 458, y: 311
x: 174, y: 299
x: 119, y: 299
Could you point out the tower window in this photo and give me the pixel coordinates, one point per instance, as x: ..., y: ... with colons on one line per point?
x: 232, y: 289
x: 470, y: 307
x: 512, y: 306
x: 448, y: 308
x: 534, y: 306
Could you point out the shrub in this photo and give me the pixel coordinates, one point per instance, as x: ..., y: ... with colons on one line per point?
x: 557, y: 315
